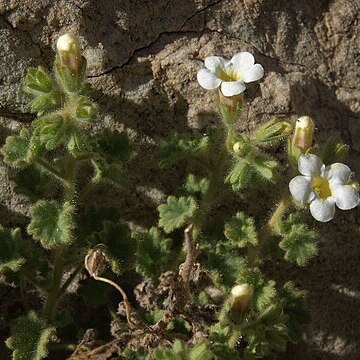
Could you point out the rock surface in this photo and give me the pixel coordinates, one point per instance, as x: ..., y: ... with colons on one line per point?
x: 143, y: 57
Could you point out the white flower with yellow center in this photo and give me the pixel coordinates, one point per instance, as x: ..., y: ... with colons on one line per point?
x: 323, y: 187
x: 231, y: 75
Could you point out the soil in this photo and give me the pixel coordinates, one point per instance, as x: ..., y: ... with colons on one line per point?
x: 143, y: 57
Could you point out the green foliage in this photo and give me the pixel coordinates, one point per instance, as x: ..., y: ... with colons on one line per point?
x: 134, y: 355
x: 267, y: 335
x: 51, y: 223
x: 33, y: 182
x: 194, y: 186
x: 153, y: 252
x: 298, y: 241
x: 272, y: 130
x: 218, y: 337
x: 254, y: 169
x: 114, y: 149
x: 30, y: 336
x: 11, y: 250
x: 240, y: 230
x: 333, y: 151
x: 225, y: 265
x: 176, y: 212
x: 119, y: 246
x: 292, y: 301
x: 240, y: 174
x: 95, y: 293
x: 39, y: 84
x: 20, y: 150
x: 183, y: 147
x: 180, y: 351
x: 113, y: 146
x: 264, y: 290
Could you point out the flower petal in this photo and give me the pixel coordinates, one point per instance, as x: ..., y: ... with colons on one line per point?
x: 214, y: 62
x: 242, y: 60
x: 207, y: 79
x: 231, y: 88
x: 253, y: 73
x: 338, y: 173
x: 301, y: 190
x: 322, y: 210
x: 346, y: 197
x: 310, y: 165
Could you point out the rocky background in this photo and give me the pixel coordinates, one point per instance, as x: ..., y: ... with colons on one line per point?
x: 143, y: 57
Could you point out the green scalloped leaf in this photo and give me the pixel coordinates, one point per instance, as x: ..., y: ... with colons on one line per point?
x: 11, y: 250
x: 240, y: 230
x: 30, y: 336
x: 18, y: 149
x: 176, y: 212
x: 51, y: 223
x: 298, y: 241
x: 183, y: 146
x: 119, y: 247
x: 153, y: 252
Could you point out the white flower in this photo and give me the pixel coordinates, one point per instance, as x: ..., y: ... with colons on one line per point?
x: 323, y: 187
x: 230, y: 75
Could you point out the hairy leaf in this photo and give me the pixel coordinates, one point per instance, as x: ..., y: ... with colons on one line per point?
x: 176, y: 212
x: 153, y: 252
x: 181, y: 351
x: 267, y: 335
x: 19, y: 150
x: 292, y: 301
x: 30, y: 336
x: 333, y: 151
x: 298, y: 241
x: 119, y: 246
x: 11, y: 250
x: 182, y: 147
x: 33, y: 182
x: 240, y: 174
x: 113, y: 146
x: 264, y: 290
x: 240, y: 230
x: 194, y: 186
x: 51, y: 223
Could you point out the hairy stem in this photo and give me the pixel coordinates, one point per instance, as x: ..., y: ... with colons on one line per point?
x: 59, y: 265
x: 51, y: 170
x: 214, y: 184
x: 268, y: 230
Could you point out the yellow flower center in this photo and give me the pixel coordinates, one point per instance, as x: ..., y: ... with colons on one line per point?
x: 228, y: 75
x: 321, y: 187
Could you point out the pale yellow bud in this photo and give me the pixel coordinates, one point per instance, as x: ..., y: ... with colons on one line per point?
x: 303, y: 134
x: 241, y: 296
x: 68, y: 49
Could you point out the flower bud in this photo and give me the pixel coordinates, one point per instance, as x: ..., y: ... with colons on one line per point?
x: 242, y: 146
x: 303, y: 134
x: 68, y: 49
x: 241, y: 296
x: 70, y: 65
x: 95, y: 262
